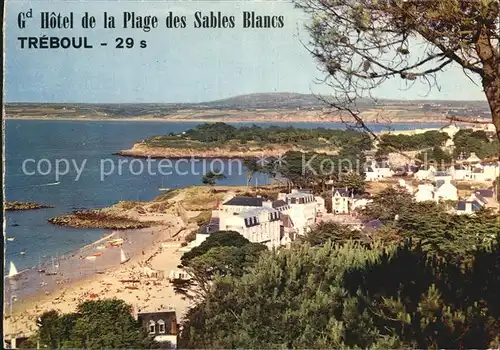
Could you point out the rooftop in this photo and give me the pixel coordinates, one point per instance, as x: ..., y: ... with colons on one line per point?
x: 245, y: 201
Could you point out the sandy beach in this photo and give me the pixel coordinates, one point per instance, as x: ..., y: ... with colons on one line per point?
x: 79, y: 279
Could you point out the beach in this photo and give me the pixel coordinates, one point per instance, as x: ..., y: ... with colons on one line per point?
x: 80, y: 278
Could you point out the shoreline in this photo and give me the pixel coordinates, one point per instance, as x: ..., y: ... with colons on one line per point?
x: 230, y: 120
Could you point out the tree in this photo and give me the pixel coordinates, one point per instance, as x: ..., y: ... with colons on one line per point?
x: 329, y: 231
x: 352, y: 181
x: 361, y: 44
x: 252, y: 168
x: 211, y: 177
x: 97, y: 324
x: 351, y: 296
x: 387, y: 204
x: 223, y: 253
x: 216, y: 239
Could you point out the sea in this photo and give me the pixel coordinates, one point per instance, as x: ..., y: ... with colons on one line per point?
x: 94, y: 177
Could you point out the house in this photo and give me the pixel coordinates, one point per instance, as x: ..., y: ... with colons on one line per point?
x: 472, y: 159
x: 342, y: 200
x: 377, y: 170
x: 425, y: 173
x: 408, y: 188
x: 491, y: 170
x: 442, y: 176
x: 258, y: 225
x: 320, y: 205
x: 425, y: 192
x: 302, y: 210
x: 478, y: 175
x: 360, y: 202
x: 467, y: 207
x: 445, y: 191
x: 161, y: 326
x: 460, y: 172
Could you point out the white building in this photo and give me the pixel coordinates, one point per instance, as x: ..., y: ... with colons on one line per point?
x: 342, y: 200
x: 467, y: 207
x: 320, y: 205
x: 460, y: 172
x: 478, y: 174
x: 408, y: 188
x: 258, y: 225
x: 425, y: 192
x: 377, y: 170
x: 302, y: 211
x: 445, y: 191
x: 491, y: 170
x: 426, y: 174
x: 360, y: 203
x: 442, y: 176
x: 473, y: 158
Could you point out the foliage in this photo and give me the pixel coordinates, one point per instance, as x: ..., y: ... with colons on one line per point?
x: 352, y: 181
x: 221, y: 134
x: 351, y: 296
x: 97, y: 324
x: 387, y: 204
x: 211, y: 177
x: 313, y: 170
x: 467, y: 141
x: 435, y: 156
x: 329, y: 231
x: 223, y: 253
x: 216, y: 239
x: 362, y: 44
x: 401, y: 142
x: 444, y: 234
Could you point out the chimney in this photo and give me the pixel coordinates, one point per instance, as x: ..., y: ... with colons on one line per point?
x: 267, y: 204
x: 468, y: 207
x: 173, y: 326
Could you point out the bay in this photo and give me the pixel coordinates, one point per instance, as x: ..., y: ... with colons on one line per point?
x: 93, y: 142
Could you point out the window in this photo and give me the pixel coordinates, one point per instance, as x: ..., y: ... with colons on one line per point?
x: 152, y: 327
x: 161, y: 327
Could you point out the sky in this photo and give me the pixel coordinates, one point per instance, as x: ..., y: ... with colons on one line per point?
x: 179, y: 64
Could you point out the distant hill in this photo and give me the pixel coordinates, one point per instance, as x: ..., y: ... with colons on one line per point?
x: 250, y: 102
x: 268, y: 100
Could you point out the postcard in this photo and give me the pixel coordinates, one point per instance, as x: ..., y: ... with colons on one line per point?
x: 251, y: 173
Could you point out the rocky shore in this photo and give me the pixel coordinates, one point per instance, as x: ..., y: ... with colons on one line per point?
x: 142, y: 150
x: 98, y: 219
x: 25, y: 206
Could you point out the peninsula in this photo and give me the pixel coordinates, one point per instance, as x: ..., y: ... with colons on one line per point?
x: 220, y: 140
x: 11, y: 206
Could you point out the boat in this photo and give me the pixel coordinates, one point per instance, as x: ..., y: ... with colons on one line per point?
x: 97, y: 254
x: 54, y: 269
x: 116, y: 242
x: 10, y: 239
x: 163, y: 188
x: 22, y: 252
x: 101, y: 247
x: 40, y: 268
x: 91, y: 257
x: 12, y: 270
x: 123, y: 257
